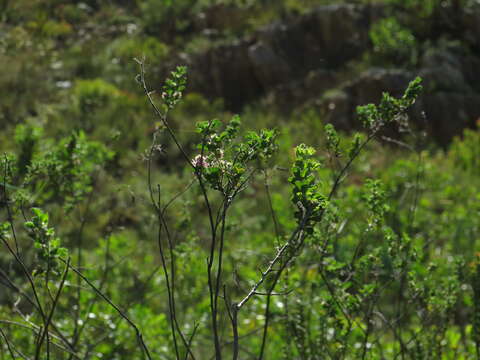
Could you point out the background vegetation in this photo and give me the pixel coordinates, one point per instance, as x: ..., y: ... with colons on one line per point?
x: 185, y: 231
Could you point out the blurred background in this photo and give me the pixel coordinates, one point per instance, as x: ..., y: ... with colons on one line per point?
x: 73, y: 60
x: 75, y: 126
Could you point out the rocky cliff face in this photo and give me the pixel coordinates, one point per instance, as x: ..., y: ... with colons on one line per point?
x: 300, y: 62
x: 281, y: 54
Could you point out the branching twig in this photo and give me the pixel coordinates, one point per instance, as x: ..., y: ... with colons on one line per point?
x: 52, y: 311
x: 9, y: 347
x: 138, y: 333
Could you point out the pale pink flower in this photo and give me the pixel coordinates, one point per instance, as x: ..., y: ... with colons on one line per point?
x: 200, y: 161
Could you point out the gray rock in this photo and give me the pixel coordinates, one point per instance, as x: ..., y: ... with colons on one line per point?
x: 447, y: 113
x: 444, y: 78
x: 269, y: 67
x: 471, y: 23
x: 371, y: 84
x: 281, y: 54
x: 299, y: 62
x: 226, y: 72
x: 471, y: 71
x: 338, y: 108
x: 442, y: 70
x: 290, y: 95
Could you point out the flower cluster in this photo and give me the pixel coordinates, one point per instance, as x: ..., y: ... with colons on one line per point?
x: 200, y: 161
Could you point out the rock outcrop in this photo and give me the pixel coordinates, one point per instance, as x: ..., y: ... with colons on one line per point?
x: 304, y: 61
x: 281, y: 54
x: 450, y: 101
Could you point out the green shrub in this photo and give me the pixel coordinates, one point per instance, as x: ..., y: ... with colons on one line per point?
x: 179, y: 234
x: 392, y: 42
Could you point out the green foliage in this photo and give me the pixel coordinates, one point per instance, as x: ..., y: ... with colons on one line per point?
x: 392, y: 42
x: 362, y: 245
x: 174, y: 87
x: 333, y: 140
x: 306, y: 190
x: 465, y: 152
x: 91, y: 95
x: 126, y: 48
x: 361, y: 250
x: 27, y: 138
x: 225, y: 159
x: 157, y: 14
x: 49, y: 251
x: 390, y: 109
x: 63, y: 174
x: 427, y: 8
x: 375, y: 200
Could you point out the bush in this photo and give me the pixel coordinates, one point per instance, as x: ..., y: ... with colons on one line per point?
x: 364, y: 276
x: 392, y: 42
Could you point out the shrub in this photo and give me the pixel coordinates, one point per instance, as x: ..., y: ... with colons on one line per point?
x: 331, y: 267
x: 392, y: 42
